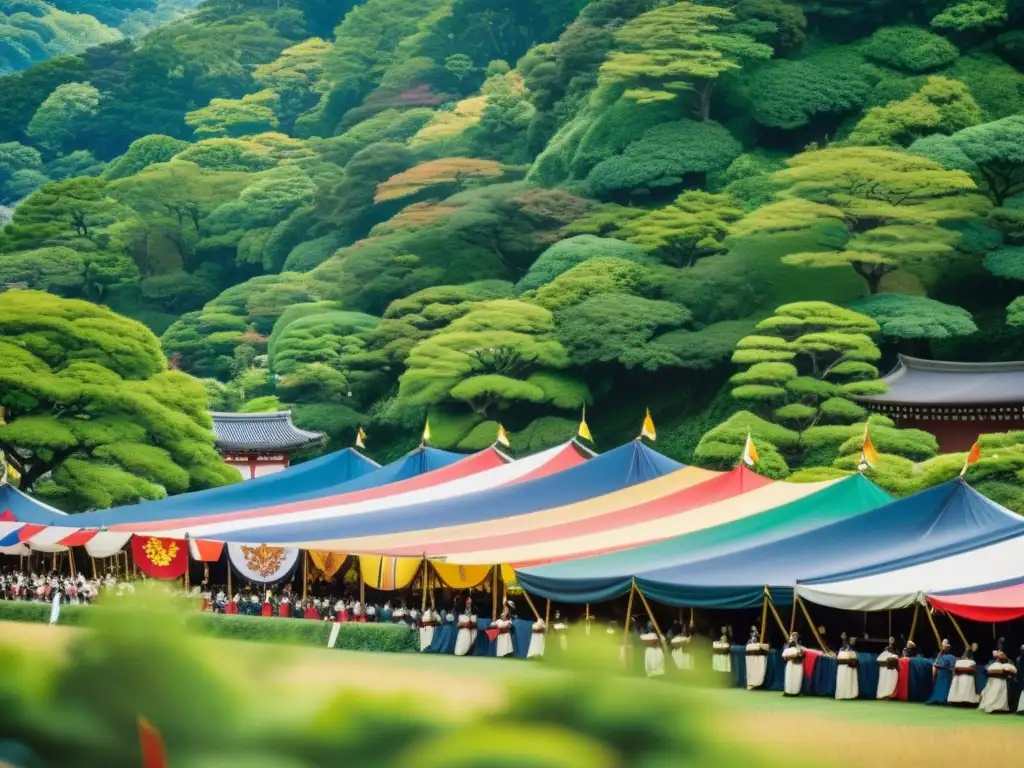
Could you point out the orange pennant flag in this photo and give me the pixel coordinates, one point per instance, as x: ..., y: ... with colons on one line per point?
x: 869, y: 455
x: 972, y: 458
x: 153, y: 753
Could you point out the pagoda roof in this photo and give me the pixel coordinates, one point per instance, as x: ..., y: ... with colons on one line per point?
x: 938, y: 382
x: 244, y: 432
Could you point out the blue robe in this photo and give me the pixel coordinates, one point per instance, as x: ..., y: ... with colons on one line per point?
x: 944, y: 664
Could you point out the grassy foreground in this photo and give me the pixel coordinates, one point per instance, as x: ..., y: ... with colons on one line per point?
x: 810, y: 731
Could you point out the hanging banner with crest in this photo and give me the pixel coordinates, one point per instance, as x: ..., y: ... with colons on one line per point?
x: 263, y: 564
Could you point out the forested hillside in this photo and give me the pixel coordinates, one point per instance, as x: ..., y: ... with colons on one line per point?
x: 484, y: 211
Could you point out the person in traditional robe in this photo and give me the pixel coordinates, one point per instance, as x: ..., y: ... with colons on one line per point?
x: 681, y: 647
x: 371, y: 612
x: 398, y: 617
x: 942, y: 674
x: 412, y: 617
x: 387, y: 614
x: 888, y: 671
x: 311, y: 611
x: 537, y: 639
x: 1019, y: 664
x: 561, y: 628
x: 756, y: 660
x: 847, y: 685
x: 793, y: 654
x: 503, y: 645
x: 910, y: 650
x: 654, y: 654
x: 427, y: 624
x: 721, y: 656
x: 963, y: 690
x: 55, y: 607
x: 466, y: 635
x: 995, y: 697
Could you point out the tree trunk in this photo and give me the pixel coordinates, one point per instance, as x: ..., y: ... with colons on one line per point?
x: 704, y: 100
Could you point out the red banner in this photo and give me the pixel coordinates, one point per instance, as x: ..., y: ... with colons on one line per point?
x: 160, y: 558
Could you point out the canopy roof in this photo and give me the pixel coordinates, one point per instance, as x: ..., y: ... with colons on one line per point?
x: 410, y: 529
x: 267, y: 432
x: 762, y: 515
x: 484, y: 470
x: 319, y: 476
x: 15, y: 505
x: 949, y: 517
x: 997, y: 602
x: 935, y: 382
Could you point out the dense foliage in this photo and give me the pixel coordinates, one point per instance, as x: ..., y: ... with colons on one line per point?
x: 735, y: 213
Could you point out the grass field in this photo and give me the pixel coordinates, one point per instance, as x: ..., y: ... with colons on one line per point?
x: 823, y: 731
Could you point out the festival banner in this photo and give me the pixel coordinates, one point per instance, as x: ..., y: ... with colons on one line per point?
x: 204, y: 551
x: 160, y: 558
x: 461, y: 576
x: 263, y: 564
x: 326, y: 564
x: 389, y: 573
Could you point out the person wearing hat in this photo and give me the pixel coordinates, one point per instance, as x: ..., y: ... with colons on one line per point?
x: 847, y: 683
x: 942, y: 674
x: 793, y: 655
x: 503, y: 645
x: 995, y: 696
x: 888, y: 671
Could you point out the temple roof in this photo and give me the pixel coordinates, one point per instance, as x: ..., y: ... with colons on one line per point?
x: 936, y: 382
x: 244, y: 432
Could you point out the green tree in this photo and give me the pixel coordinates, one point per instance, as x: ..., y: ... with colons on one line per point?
x: 327, y: 337
x: 56, y: 270
x: 617, y: 328
x: 566, y: 254
x: 62, y: 115
x: 678, y: 48
x: 942, y: 106
x: 233, y: 117
x: 667, y: 158
x: 484, y: 358
x: 16, y: 158
x: 92, y: 416
x: 970, y: 15
x: 888, y: 207
x: 144, y: 152
x: 900, y: 316
x: 911, y: 49
x: 691, y: 228
x: 63, y: 211
x: 807, y: 364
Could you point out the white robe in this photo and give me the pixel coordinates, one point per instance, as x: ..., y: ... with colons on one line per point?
x: 654, y: 655
x: 55, y: 607
x: 466, y: 636
x: 563, y: 639
x: 503, y: 645
x: 995, y: 698
x: 426, y: 630
x: 847, y: 686
x: 794, y: 671
x: 537, y: 640
x: 721, y: 657
x: 757, y: 665
x: 963, y: 689
x: 887, y: 678
x: 680, y: 652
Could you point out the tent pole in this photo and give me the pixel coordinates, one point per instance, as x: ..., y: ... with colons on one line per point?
x: 792, y: 617
x: 654, y: 621
x: 691, y: 616
x: 533, y: 608
x: 228, y: 558
x: 362, y: 585
x: 913, y: 623
x: 764, y: 615
x: 547, y: 617
x: 494, y: 593
x: 305, y: 575
x: 959, y: 631
x: 94, y: 576
x: 775, y: 614
x: 71, y: 561
x: 814, y: 629
x: 426, y: 579
x: 629, y: 611
x: 935, y: 629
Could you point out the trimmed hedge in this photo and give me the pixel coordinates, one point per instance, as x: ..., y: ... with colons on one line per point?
x: 382, y: 638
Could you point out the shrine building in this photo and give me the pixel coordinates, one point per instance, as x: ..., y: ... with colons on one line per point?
x: 956, y: 402
x: 258, y: 444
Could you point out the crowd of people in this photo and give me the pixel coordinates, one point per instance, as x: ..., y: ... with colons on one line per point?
x: 48, y: 586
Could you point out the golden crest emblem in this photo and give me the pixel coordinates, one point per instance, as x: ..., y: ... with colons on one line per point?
x: 264, y: 560
x: 160, y: 555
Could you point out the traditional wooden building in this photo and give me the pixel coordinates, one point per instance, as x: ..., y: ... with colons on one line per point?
x: 258, y: 444
x: 954, y: 401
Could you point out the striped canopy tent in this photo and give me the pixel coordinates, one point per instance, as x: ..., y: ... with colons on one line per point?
x: 759, y: 517
x: 989, y: 604
x: 20, y: 507
x: 407, y: 529
x: 307, y: 480
x: 924, y: 526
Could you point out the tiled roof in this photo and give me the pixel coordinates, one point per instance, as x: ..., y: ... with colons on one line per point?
x: 937, y: 382
x: 238, y: 432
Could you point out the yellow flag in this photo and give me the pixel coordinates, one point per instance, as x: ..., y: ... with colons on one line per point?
x: 360, y: 438
x: 647, y: 430
x: 750, y: 457
x: 868, y: 455
x: 584, y: 430
x: 426, y: 432
x: 503, y: 437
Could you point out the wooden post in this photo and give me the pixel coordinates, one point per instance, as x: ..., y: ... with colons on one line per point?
x: 305, y: 575
x: 935, y: 629
x: 792, y: 617
x: 586, y: 618
x: 691, y: 616
x: 425, y: 584
x: 529, y: 602
x: 494, y: 594
x: 362, y: 585
x: 229, y: 574
x: 814, y: 629
x: 71, y: 561
x: 654, y: 621
x: 764, y: 615
x: 913, y: 623
x: 54, y: 561
x: 547, y: 617
x: 94, y: 576
x: 629, y: 613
